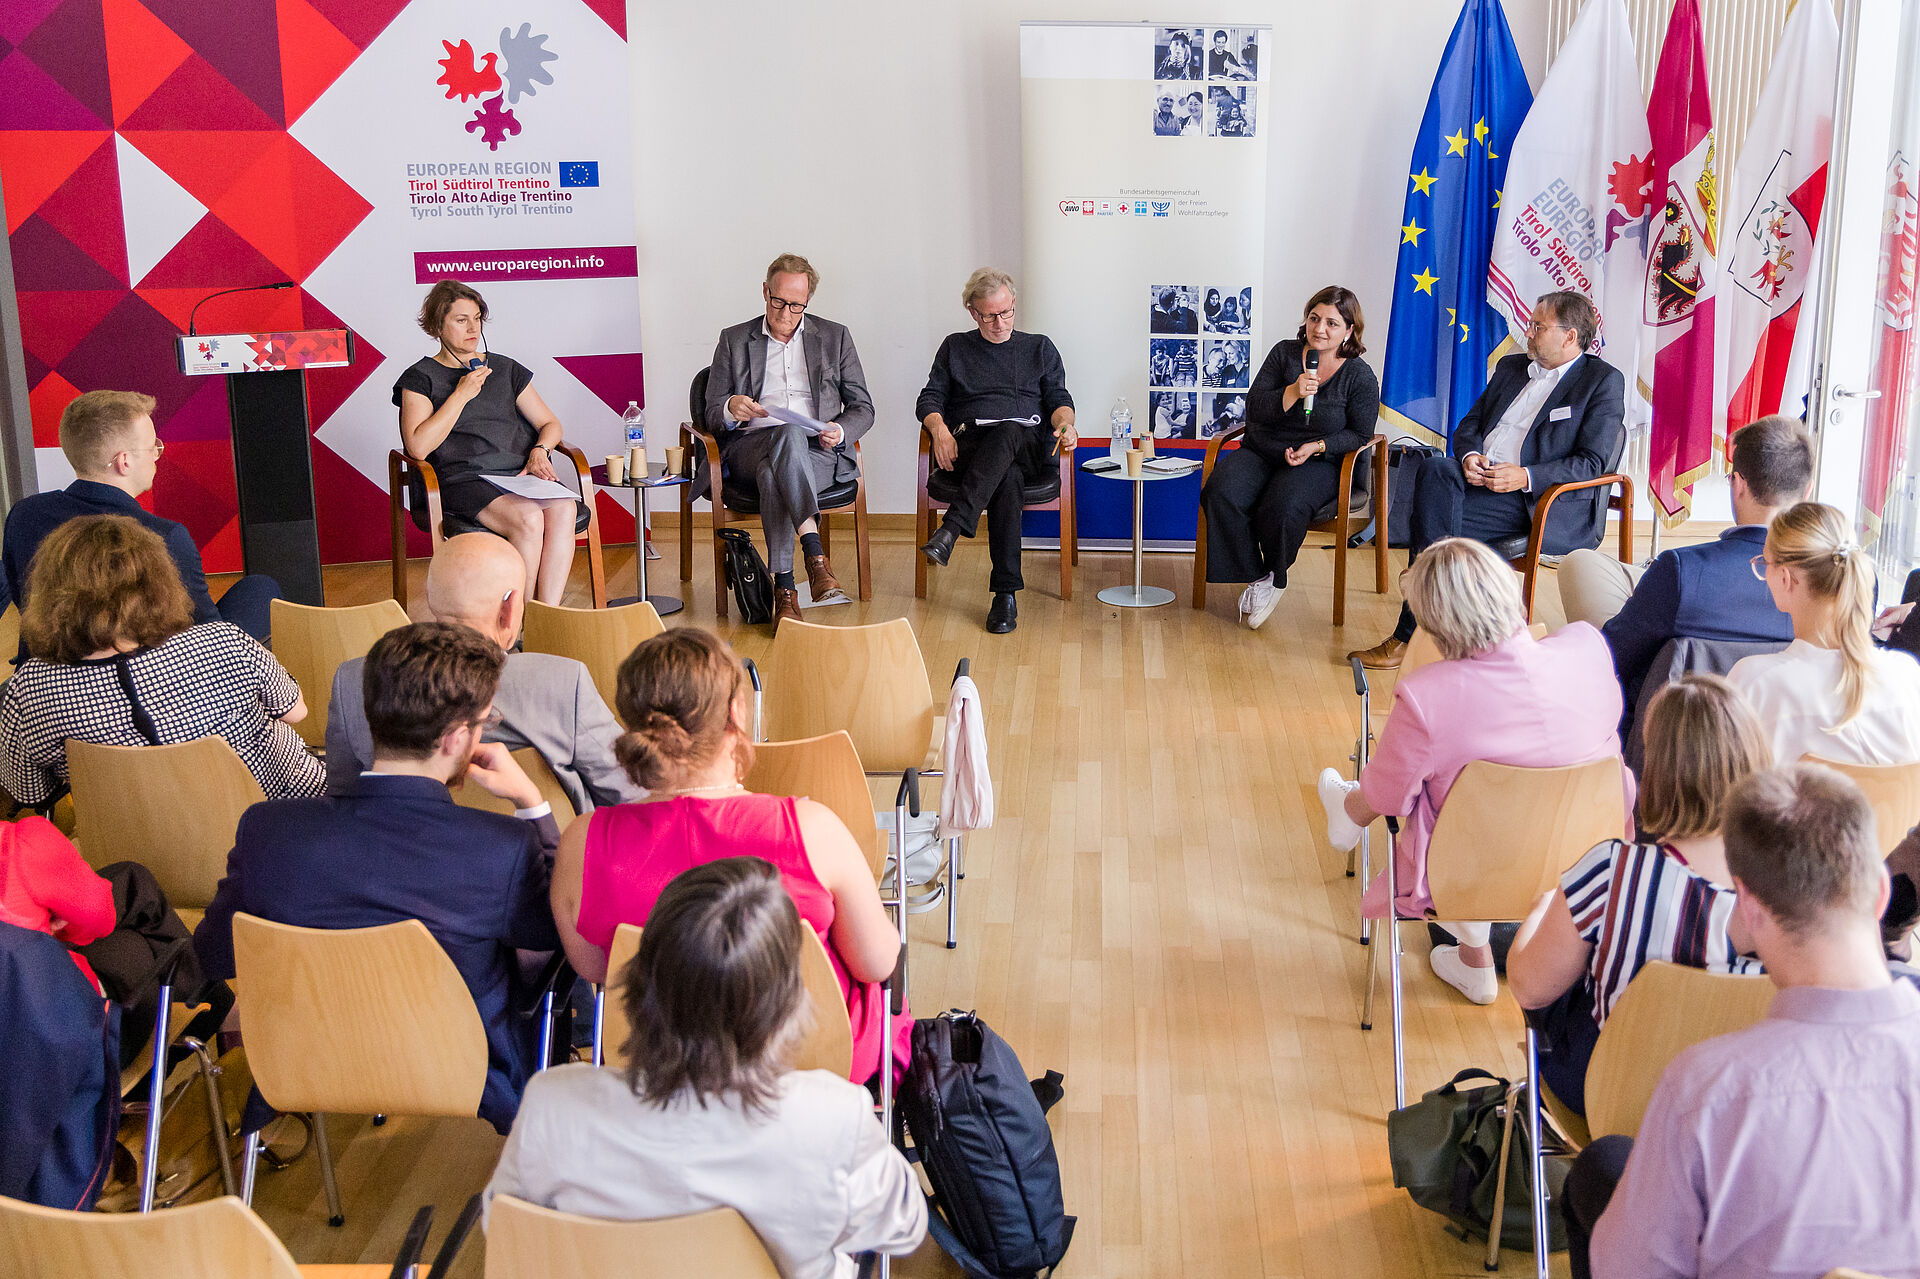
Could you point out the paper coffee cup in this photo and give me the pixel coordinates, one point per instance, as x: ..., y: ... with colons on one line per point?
x: 616, y: 468
x: 637, y: 464
x: 1134, y: 459
x: 676, y: 460
x: 1146, y: 445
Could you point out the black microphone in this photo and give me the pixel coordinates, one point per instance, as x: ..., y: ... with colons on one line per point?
x: 1313, y: 366
x: 245, y: 288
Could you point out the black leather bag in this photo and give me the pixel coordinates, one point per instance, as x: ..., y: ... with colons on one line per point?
x: 747, y: 575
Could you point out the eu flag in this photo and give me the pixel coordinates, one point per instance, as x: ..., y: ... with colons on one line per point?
x: 1443, y: 331
x: 579, y: 173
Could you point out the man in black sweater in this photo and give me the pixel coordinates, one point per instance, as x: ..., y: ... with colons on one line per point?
x: 1005, y: 394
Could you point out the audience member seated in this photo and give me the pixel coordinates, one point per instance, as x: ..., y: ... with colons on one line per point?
x: 786, y: 359
x: 1706, y: 591
x: 708, y: 1114
x: 472, y: 414
x: 1499, y: 695
x: 46, y: 886
x: 1788, y: 1148
x: 997, y: 407
x: 395, y: 846
x: 686, y: 699
x: 1551, y: 416
x: 1263, y: 496
x: 109, y: 440
x: 1831, y: 693
x: 544, y: 701
x: 1667, y: 897
x: 118, y: 659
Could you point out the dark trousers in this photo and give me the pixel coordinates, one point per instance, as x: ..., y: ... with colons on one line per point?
x: 1566, y: 1035
x: 248, y: 604
x: 995, y: 462
x: 1445, y: 505
x: 1259, y: 510
x: 789, y: 474
x: 1590, y: 1185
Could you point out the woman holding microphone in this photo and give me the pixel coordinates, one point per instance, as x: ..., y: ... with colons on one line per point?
x: 1315, y: 400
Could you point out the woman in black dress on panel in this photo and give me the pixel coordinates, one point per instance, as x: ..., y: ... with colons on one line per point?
x: 1262, y: 497
x: 486, y: 420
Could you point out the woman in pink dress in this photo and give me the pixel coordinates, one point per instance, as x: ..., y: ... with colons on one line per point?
x: 686, y: 699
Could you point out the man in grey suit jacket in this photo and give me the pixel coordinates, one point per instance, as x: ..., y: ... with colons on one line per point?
x: 546, y: 702
x: 787, y: 359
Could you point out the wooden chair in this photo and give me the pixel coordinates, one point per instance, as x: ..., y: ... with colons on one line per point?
x: 526, y: 1241
x: 1051, y: 492
x: 598, y: 638
x: 737, y: 495
x: 828, y: 1046
x: 1502, y: 838
x: 1892, y: 789
x: 413, y: 487
x: 827, y: 769
x: 535, y: 765
x: 171, y: 808
x: 360, y: 1021
x: 219, y: 1237
x: 1524, y: 552
x: 1350, y: 504
x: 312, y: 643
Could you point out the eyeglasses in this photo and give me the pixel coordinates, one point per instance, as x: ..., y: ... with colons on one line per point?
x: 1534, y: 326
x: 993, y: 317
x: 159, y: 447
x: 791, y: 308
x: 490, y: 721
x: 1759, y: 566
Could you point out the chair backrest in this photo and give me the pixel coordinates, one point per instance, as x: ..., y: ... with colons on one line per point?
x: 312, y: 642
x: 534, y: 764
x: 1892, y: 789
x: 598, y: 638
x: 171, y: 808
x: 357, y: 1020
x: 1665, y: 1009
x: 1504, y: 834
x: 828, y: 1046
x: 826, y: 769
x: 217, y: 1237
x: 526, y: 1241
x: 869, y: 680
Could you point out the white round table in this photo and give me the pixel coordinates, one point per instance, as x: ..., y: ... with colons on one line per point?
x: 1137, y: 595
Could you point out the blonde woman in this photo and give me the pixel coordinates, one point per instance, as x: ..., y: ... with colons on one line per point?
x: 1668, y: 896
x: 1499, y: 695
x: 1830, y: 693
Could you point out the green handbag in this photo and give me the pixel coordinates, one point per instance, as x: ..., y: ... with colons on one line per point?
x: 1446, y: 1146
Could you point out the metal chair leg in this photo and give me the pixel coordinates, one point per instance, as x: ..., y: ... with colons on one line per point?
x: 216, y: 1110
x: 1373, y: 972
x: 335, y: 1217
x: 1538, y: 1159
x: 544, y: 1038
x: 1393, y: 967
x: 599, y: 1025
x: 1497, y: 1225
x: 249, y: 1165
x: 953, y: 897
x: 1366, y: 873
x: 156, y: 1095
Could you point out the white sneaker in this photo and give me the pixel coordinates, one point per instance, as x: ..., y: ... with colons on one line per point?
x: 1246, y: 596
x: 1342, y: 832
x: 1266, y: 598
x: 1481, y: 985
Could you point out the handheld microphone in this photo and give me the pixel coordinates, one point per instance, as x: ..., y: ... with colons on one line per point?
x: 245, y: 288
x: 1313, y: 366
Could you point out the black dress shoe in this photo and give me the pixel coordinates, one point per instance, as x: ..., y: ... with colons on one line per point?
x: 939, y: 546
x: 1004, y: 615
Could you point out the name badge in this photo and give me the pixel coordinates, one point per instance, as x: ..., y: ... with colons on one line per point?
x: 1561, y: 414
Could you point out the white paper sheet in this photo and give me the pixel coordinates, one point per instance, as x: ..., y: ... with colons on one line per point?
x: 531, y: 486
x: 777, y: 414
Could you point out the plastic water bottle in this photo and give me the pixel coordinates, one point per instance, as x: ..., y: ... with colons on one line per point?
x: 635, y: 419
x: 1121, y: 419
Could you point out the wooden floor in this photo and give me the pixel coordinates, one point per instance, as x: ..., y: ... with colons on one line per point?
x: 1156, y: 913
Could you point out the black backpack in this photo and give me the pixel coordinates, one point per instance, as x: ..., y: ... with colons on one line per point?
x: 980, y: 1131
x: 747, y: 574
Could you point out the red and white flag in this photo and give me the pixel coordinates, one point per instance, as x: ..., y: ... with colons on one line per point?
x: 1769, y: 258
x: 1676, y: 365
x: 1893, y: 364
x: 1577, y: 203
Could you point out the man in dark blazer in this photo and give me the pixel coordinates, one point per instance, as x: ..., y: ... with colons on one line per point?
x: 1551, y: 416
x: 1706, y: 591
x: 787, y: 359
x: 395, y: 846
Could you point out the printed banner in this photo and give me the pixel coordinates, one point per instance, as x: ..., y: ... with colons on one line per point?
x: 152, y: 156
x: 1144, y: 154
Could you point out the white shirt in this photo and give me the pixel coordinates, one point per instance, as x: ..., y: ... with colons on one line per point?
x: 817, y: 1178
x: 1796, y: 694
x: 784, y: 383
x: 1509, y: 434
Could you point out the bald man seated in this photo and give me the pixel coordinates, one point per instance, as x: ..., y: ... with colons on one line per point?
x: 544, y: 701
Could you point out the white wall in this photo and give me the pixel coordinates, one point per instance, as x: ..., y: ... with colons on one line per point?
x: 881, y: 139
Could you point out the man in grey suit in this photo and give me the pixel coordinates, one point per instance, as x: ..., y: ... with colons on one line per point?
x: 787, y: 359
x: 546, y: 702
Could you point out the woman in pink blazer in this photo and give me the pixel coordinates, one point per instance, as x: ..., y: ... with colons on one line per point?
x: 1499, y: 695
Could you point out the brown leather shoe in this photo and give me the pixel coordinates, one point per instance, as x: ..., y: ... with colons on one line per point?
x: 1384, y: 656
x: 821, y: 581
x: 786, y: 604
